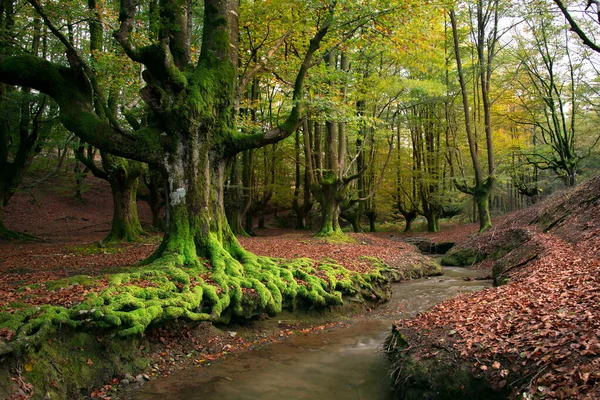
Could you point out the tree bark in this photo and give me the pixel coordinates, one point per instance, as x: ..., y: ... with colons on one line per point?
x: 125, y: 222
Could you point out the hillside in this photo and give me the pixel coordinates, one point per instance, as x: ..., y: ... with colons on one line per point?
x: 537, y: 333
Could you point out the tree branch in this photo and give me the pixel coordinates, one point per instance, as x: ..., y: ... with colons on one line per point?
x: 293, y: 121
x: 575, y: 27
x: 76, y: 111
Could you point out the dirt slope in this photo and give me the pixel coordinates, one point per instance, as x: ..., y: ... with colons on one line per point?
x: 539, y: 333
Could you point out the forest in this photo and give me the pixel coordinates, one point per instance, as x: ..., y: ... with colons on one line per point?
x: 185, y: 182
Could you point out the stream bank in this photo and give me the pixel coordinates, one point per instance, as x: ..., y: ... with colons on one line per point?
x: 535, y: 335
x: 335, y: 362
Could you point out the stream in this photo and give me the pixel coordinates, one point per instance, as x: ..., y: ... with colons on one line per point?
x: 343, y: 363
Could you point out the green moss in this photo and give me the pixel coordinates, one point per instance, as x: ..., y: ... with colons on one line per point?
x: 95, y: 248
x: 76, y: 362
x: 335, y: 237
x: 463, y: 257
x: 218, y: 290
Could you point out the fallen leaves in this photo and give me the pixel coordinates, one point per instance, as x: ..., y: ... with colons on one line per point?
x: 542, y: 329
x: 283, y: 244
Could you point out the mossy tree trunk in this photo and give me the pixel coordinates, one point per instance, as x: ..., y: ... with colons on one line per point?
x: 124, y: 179
x: 352, y: 213
x: 483, y: 208
x: 193, y: 131
x: 329, y: 197
x: 328, y: 173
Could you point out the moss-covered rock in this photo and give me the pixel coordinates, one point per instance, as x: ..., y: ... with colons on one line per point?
x: 71, y: 364
x: 463, y: 257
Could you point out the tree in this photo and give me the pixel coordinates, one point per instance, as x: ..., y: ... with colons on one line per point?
x: 552, y: 95
x: 579, y: 27
x: 121, y: 174
x: 486, y: 37
x: 23, y: 118
x: 191, y: 131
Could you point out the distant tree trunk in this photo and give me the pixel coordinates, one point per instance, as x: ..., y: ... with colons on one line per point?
x: 372, y: 215
x: 480, y: 191
x: 408, y: 220
x: 80, y: 171
x: 302, y: 186
x: 236, y: 197
x: 154, y: 182
x: 125, y: 223
x: 405, y: 199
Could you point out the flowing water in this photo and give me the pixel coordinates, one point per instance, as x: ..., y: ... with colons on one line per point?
x: 344, y: 363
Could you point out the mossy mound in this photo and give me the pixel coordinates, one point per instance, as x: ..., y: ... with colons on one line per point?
x: 427, y: 267
x: 492, y: 244
x: 126, y: 304
x: 71, y: 364
x: 463, y: 257
x: 432, y: 371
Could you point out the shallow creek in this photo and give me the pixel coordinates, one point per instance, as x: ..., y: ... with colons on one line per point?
x: 344, y: 363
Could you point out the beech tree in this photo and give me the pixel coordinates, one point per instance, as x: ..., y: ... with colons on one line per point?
x: 486, y: 37
x: 23, y: 117
x: 192, y: 130
x: 552, y: 94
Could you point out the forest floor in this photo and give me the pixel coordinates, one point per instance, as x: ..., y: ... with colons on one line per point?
x: 68, y: 246
x: 537, y: 335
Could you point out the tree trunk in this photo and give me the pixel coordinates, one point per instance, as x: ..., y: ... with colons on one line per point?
x: 408, y: 220
x: 433, y: 224
x: 154, y: 182
x: 483, y: 204
x: 352, y: 213
x: 330, y: 207
x: 236, y: 199
x: 80, y: 173
x: 372, y: 215
x: 480, y: 191
x: 298, y: 186
x: 125, y: 223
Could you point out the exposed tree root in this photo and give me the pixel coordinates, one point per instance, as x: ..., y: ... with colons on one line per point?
x: 230, y: 284
x: 7, y: 234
